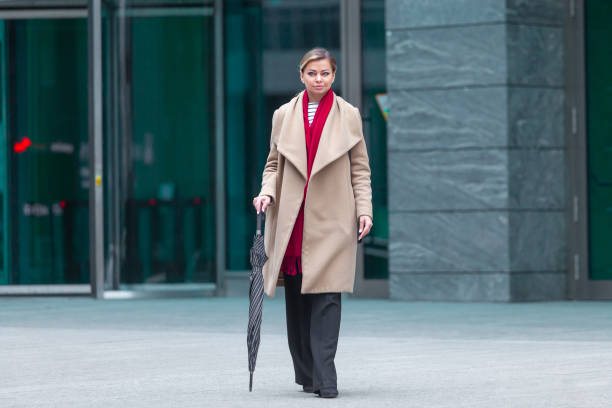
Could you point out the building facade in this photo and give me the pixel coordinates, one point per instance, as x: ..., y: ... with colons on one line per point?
x: 498, y: 169
x: 134, y: 134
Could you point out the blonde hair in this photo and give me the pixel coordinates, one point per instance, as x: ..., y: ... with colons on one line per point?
x: 317, y: 54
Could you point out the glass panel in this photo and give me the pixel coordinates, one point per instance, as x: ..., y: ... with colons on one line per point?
x: 374, y: 113
x: 264, y: 42
x: 46, y: 90
x: 164, y: 86
x: 599, y: 128
x: 4, y: 166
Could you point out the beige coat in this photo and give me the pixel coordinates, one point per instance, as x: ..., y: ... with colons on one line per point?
x: 338, y: 193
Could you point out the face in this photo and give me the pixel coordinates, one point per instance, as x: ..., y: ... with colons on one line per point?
x: 318, y: 77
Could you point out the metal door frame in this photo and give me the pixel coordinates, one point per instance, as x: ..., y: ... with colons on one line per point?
x: 51, y: 13
x: 580, y: 287
x: 96, y: 164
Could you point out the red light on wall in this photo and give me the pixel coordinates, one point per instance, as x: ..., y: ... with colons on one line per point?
x: 20, y: 147
x: 151, y: 202
x: 62, y: 204
x: 196, y: 200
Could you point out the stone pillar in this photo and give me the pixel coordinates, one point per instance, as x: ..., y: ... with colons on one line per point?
x: 476, y: 149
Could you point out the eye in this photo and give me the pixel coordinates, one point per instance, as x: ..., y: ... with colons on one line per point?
x: 311, y: 73
x: 325, y: 74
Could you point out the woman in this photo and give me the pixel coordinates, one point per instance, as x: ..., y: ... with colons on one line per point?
x: 316, y: 189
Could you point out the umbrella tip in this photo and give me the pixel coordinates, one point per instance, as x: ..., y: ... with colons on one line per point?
x: 251, y: 382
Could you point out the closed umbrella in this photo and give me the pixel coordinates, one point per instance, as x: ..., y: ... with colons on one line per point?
x: 256, y: 294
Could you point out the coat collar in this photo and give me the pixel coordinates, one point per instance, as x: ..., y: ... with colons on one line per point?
x: 337, y: 137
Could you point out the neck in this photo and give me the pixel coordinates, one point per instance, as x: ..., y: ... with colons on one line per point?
x: 314, y: 98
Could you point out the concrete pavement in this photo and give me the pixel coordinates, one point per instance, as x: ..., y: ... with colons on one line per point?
x: 78, y: 352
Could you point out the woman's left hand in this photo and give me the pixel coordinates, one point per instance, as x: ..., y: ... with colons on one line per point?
x: 365, y: 224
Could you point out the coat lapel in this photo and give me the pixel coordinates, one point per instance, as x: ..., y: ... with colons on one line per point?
x: 336, y: 137
x: 292, y: 140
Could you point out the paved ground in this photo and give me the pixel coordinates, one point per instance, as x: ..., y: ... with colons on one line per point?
x: 77, y: 352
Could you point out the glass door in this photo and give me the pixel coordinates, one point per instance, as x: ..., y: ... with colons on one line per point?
x: 589, y: 109
x: 599, y: 141
x: 374, y: 114
x: 4, y: 166
x: 162, y: 93
x: 44, y: 187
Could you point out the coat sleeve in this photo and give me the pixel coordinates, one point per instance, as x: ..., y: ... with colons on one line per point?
x: 360, y: 173
x: 268, y: 178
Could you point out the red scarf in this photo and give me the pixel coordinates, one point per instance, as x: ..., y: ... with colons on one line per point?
x: 292, y: 262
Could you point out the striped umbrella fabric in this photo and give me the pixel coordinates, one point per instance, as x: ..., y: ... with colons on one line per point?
x: 256, y: 294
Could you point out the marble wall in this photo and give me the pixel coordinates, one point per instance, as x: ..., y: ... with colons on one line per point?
x: 476, y: 149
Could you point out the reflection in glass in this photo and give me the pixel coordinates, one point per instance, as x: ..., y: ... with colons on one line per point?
x: 171, y: 204
x: 46, y: 90
x: 162, y: 76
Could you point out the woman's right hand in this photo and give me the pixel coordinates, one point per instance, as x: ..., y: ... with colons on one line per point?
x: 261, y: 202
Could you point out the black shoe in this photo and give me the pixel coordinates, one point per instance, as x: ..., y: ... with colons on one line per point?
x: 309, y: 388
x: 327, y: 393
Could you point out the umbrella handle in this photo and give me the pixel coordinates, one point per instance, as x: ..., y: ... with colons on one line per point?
x: 259, y: 218
x: 251, y: 383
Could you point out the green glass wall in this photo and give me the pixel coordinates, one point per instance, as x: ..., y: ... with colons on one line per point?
x: 4, y: 166
x: 264, y: 42
x: 45, y: 189
x: 158, y: 74
x: 169, y: 208
x: 159, y: 128
x: 599, y: 135
x: 374, y: 90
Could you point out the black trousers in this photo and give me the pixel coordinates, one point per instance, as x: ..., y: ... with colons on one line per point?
x: 313, y: 326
